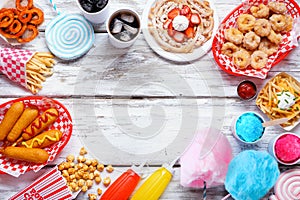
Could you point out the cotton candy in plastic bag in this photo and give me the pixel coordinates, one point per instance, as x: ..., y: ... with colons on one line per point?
x: 205, y: 160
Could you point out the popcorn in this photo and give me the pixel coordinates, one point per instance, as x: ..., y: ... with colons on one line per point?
x: 82, y: 174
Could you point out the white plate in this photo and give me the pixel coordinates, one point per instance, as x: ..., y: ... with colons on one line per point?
x: 178, y: 57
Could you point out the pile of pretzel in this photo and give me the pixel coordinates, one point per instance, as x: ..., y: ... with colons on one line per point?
x: 21, y: 23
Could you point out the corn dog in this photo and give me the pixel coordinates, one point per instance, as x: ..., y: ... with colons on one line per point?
x: 40, y: 123
x: 34, y: 155
x: 10, y: 118
x: 26, y: 118
x: 44, y: 139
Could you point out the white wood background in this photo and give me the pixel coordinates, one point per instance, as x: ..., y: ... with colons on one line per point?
x: 112, y: 91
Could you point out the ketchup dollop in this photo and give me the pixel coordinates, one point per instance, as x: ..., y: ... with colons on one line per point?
x: 246, y: 90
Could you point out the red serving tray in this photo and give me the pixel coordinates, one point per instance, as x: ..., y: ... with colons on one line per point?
x: 63, y: 123
x: 292, y: 8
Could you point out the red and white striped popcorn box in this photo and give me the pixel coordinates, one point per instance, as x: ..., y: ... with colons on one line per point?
x: 63, y: 123
x: 289, y: 40
x: 13, y: 64
x: 50, y: 185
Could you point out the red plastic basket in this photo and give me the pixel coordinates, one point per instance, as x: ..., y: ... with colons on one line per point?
x: 225, y: 63
x: 63, y: 123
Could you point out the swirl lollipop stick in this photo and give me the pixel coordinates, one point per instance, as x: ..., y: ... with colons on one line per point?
x: 69, y: 36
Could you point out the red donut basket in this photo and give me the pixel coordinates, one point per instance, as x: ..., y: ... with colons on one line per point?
x: 62, y: 123
x: 225, y: 63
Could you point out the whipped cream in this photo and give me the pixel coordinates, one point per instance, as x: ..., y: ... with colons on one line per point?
x: 180, y: 23
x: 285, y: 100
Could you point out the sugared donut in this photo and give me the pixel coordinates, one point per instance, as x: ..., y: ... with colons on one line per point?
x: 278, y: 22
x: 260, y: 11
x: 277, y: 7
x: 267, y: 46
x: 262, y: 27
x: 234, y: 35
x: 274, y: 37
x: 259, y: 59
x: 229, y: 48
x: 245, y: 22
x: 251, y: 41
x: 241, y: 58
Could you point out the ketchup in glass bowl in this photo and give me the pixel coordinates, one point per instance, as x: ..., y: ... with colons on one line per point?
x: 246, y: 90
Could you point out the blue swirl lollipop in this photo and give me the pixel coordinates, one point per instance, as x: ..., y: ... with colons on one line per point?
x: 69, y: 36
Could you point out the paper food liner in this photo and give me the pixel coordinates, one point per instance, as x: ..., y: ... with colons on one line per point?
x: 289, y: 40
x: 13, y: 64
x: 50, y: 185
x: 63, y: 123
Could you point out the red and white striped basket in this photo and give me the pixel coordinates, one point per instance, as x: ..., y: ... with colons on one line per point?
x: 289, y: 40
x: 50, y: 185
x: 63, y: 123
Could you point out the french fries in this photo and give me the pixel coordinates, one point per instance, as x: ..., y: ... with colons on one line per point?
x: 38, y: 68
x: 267, y: 99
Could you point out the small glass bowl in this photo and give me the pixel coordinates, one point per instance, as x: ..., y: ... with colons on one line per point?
x: 246, y: 90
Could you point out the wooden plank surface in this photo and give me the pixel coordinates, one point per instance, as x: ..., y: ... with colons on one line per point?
x: 115, y: 95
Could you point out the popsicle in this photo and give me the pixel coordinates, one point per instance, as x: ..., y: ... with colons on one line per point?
x: 156, y: 183
x: 122, y: 188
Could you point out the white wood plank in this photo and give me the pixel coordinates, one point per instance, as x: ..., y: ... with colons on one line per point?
x: 111, y: 92
x: 138, y: 71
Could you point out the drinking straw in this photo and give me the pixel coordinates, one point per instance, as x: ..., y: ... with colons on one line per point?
x: 204, y: 191
x: 54, y: 7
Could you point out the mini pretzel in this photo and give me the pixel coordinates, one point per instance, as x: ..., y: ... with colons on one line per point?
x: 21, y: 8
x: 34, y: 33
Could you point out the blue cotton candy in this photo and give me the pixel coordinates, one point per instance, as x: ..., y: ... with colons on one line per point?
x: 251, y: 174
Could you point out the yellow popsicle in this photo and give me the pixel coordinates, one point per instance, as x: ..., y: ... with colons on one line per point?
x: 154, y: 186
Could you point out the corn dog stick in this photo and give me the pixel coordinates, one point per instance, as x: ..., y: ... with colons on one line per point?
x: 34, y: 155
x: 25, y: 119
x: 10, y: 118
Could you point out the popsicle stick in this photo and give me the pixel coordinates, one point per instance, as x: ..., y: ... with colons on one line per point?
x: 226, y: 197
x: 275, y: 122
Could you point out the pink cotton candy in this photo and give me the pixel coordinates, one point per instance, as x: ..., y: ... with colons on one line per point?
x: 205, y: 160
